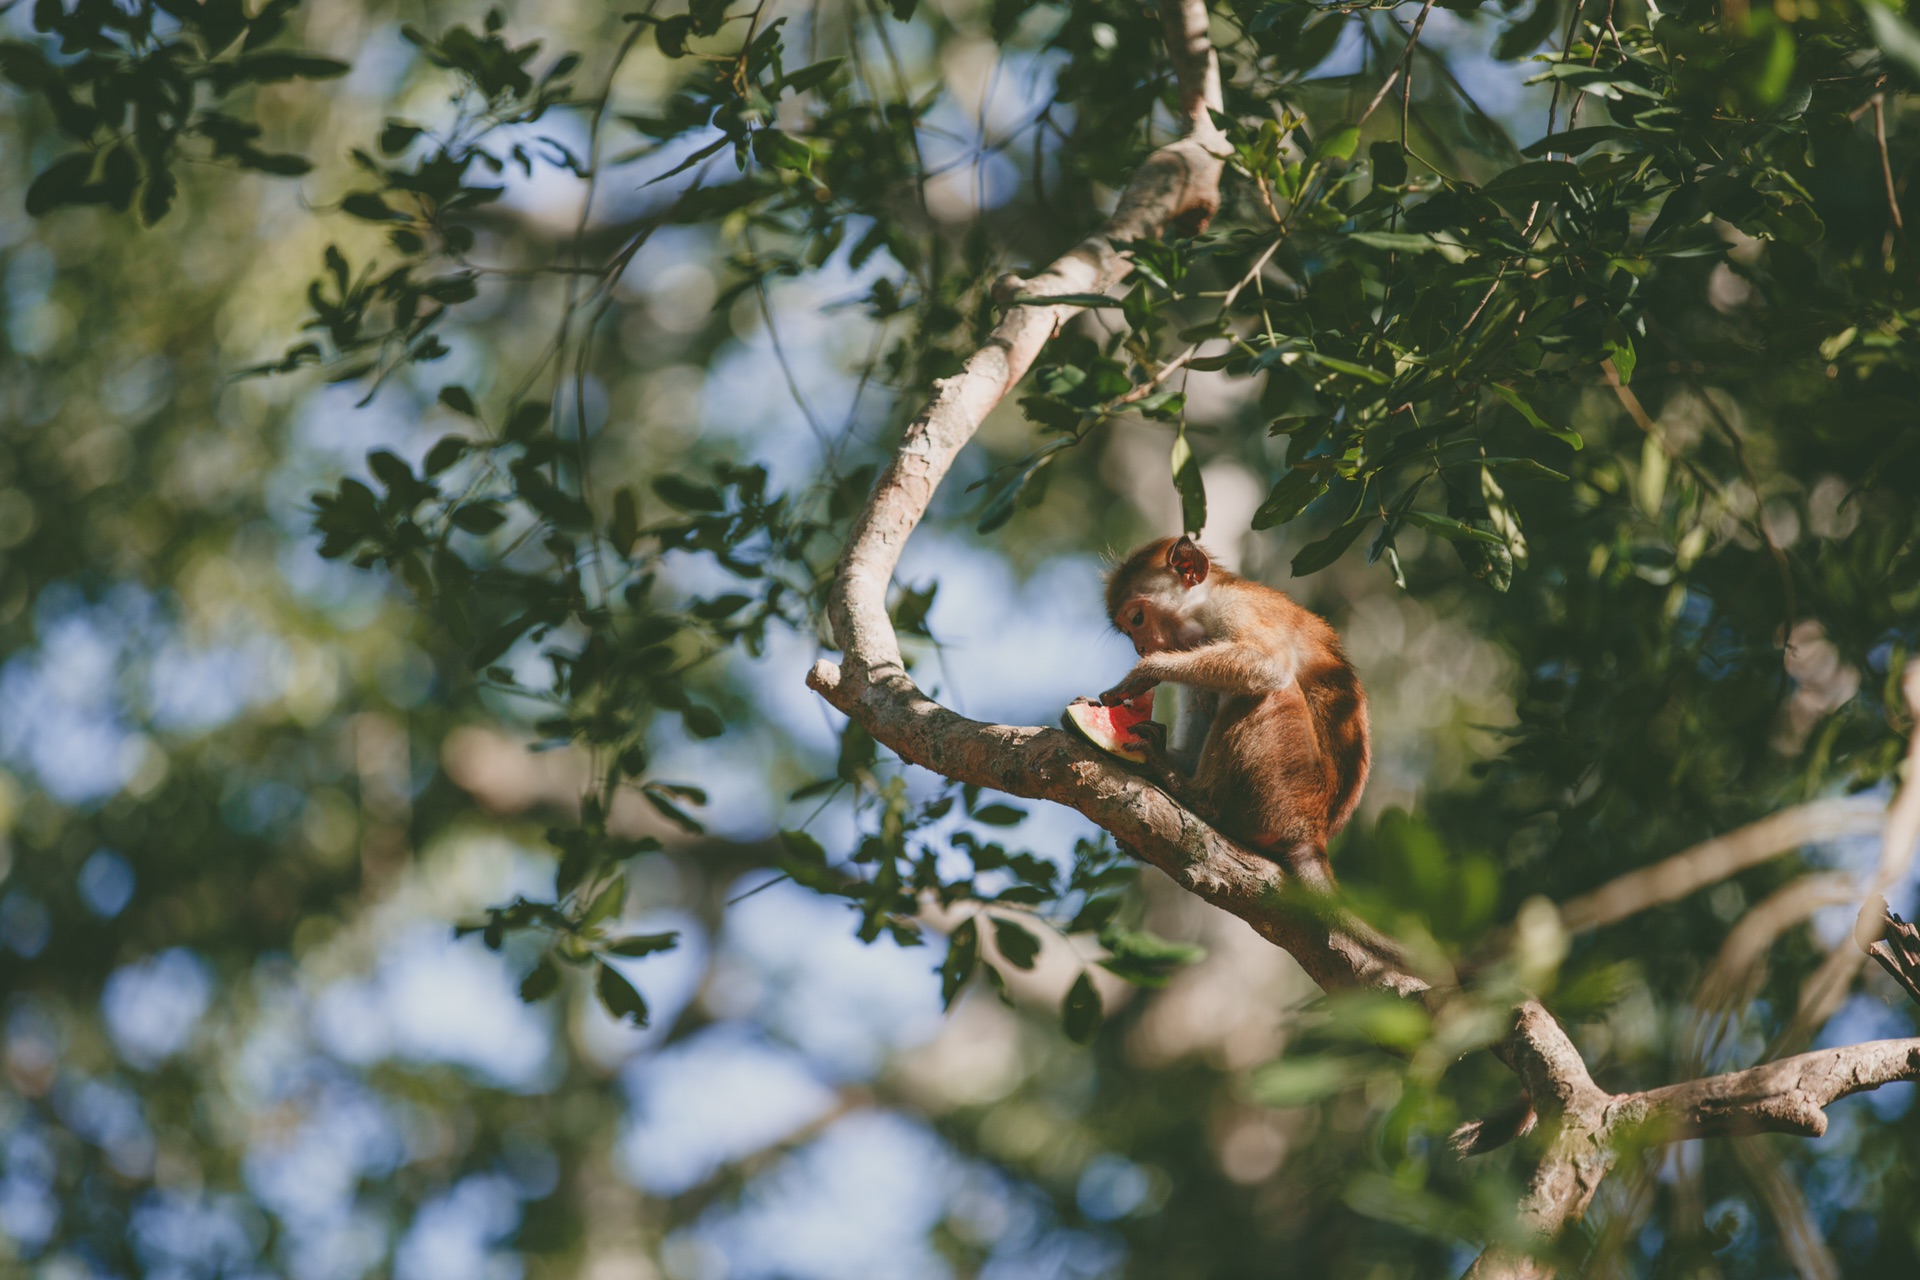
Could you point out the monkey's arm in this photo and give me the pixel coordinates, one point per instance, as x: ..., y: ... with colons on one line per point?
x: 1222, y: 667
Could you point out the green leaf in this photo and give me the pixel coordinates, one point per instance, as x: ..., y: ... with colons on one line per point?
x: 61, y: 182
x: 619, y: 996
x: 1338, y: 144
x: 1895, y: 36
x: 1316, y: 556
x: 280, y: 163
x: 1016, y: 944
x: 625, y: 529
x: 1294, y: 494
x: 457, y: 399
x: 999, y: 815
x: 963, y: 954
x: 1095, y: 915
x: 703, y: 722
x: 1523, y: 467
x: 526, y: 420
x: 446, y: 451
x: 1188, y: 484
x: 807, y: 77
x: 1516, y: 189
x: 999, y: 509
x: 1302, y: 1081
x: 687, y: 495
x: 391, y: 471
x: 782, y: 151
x: 369, y: 207
x: 1573, y: 142
x: 1534, y: 420
x: 1450, y: 529
x: 274, y: 65
x: 1067, y: 300
x: 608, y: 902
x: 540, y: 982
x: 643, y: 944
x: 1394, y: 241
x: 1080, y: 1012
x: 478, y: 517
x: 397, y: 136
x: 1389, y: 164
x: 1348, y: 367
x: 1143, y: 958
x: 1620, y: 350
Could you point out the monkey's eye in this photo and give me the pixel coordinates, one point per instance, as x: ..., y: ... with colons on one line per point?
x: 1137, y: 618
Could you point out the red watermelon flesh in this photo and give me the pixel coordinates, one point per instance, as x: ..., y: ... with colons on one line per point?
x: 1112, y: 728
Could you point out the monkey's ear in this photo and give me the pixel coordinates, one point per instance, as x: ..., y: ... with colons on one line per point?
x: 1188, y: 560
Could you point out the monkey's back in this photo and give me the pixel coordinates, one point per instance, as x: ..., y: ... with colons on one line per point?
x: 1287, y: 768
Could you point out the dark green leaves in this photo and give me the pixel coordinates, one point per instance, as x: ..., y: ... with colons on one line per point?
x: 1317, y: 555
x: 63, y: 182
x: 478, y: 517
x: 1080, y: 1012
x: 131, y: 96
x: 541, y: 981
x: 1143, y: 959
x: 963, y: 954
x: 687, y: 495
x: 619, y: 996
x: 1016, y: 944
x: 1188, y: 484
x: 781, y: 151
x: 643, y: 944
x: 1296, y: 490
x: 1519, y: 188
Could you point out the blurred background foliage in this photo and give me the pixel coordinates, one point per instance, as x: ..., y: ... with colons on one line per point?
x: 425, y: 431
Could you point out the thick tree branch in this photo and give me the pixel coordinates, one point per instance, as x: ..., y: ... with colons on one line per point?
x: 1717, y: 859
x: 1787, y: 1096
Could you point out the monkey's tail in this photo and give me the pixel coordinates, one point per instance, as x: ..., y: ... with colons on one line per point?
x: 1349, y: 738
x: 1306, y: 861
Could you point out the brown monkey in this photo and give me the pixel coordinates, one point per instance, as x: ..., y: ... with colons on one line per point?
x: 1285, y: 751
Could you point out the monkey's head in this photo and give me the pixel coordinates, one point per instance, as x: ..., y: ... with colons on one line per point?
x: 1154, y: 597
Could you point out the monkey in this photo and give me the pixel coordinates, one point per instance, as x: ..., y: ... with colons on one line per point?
x: 1286, y: 748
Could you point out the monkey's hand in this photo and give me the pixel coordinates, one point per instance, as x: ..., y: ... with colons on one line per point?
x: 1128, y: 689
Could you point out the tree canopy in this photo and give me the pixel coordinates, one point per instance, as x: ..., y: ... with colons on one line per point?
x: 483, y: 786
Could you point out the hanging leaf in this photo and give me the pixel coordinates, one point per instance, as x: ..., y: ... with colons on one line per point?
x: 963, y: 954
x: 1080, y: 1012
x: 619, y: 997
x: 1187, y: 482
x: 1016, y: 944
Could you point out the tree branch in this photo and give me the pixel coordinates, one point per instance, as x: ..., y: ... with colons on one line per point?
x: 1719, y: 858
x: 1787, y: 1096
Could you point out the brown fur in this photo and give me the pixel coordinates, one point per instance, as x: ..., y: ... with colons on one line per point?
x: 1287, y: 751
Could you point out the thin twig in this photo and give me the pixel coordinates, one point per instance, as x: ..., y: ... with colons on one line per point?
x: 1400, y: 67
x: 1886, y: 165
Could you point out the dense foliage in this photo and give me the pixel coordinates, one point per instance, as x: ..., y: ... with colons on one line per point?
x: 1560, y: 351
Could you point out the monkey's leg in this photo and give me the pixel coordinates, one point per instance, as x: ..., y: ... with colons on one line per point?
x: 1170, y: 775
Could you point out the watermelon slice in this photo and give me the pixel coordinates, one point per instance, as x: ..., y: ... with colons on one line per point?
x: 1112, y: 729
